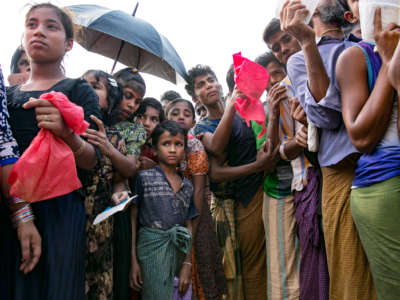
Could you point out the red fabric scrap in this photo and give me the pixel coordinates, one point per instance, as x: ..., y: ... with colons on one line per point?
x: 47, y: 168
x: 252, y: 80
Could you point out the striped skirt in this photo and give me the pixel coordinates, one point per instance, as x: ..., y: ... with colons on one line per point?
x: 283, y: 257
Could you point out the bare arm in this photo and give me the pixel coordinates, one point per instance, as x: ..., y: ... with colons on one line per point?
x: 199, y: 184
x: 219, y: 140
x: 267, y: 157
x: 366, y: 115
x: 135, y: 276
x: 292, y: 18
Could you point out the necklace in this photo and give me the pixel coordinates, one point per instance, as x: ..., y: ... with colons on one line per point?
x: 330, y: 30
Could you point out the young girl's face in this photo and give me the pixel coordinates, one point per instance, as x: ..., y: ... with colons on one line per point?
x: 150, y: 119
x: 100, y: 88
x: 44, y: 37
x: 170, y: 149
x: 182, y: 114
x: 130, y: 102
x: 23, y: 64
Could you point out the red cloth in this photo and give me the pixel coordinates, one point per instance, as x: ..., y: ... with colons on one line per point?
x: 252, y: 80
x: 47, y: 168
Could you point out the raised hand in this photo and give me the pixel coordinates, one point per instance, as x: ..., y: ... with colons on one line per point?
x: 297, y: 112
x: 275, y: 95
x: 99, y: 138
x: 387, y: 39
x: 292, y: 16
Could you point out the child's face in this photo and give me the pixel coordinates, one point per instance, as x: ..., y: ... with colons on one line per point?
x: 182, y: 114
x: 170, y: 149
x: 130, y: 102
x: 150, y: 119
x: 45, y: 37
x: 100, y: 89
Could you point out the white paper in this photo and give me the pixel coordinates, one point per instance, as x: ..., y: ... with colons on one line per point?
x: 390, y: 14
x: 311, y: 5
x: 109, y: 211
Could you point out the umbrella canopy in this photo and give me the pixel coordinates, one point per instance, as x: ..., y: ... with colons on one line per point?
x: 101, y: 30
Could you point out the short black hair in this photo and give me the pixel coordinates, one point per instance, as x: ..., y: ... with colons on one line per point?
x: 266, y: 58
x: 152, y: 102
x: 170, y: 96
x: 15, y: 58
x: 114, y: 96
x: 230, y: 78
x: 176, y: 101
x: 130, y: 77
x: 196, y: 71
x: 273, y: 27
x: 172, y: 127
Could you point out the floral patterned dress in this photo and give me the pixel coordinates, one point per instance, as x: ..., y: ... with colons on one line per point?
x: 99, y: 238
x: 208, y: 276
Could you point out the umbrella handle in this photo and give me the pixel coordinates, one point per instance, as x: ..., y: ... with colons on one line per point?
x: 123, y: 42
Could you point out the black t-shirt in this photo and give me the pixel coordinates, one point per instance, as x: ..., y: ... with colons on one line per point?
x: 242, y: 150
x: 23, y: 121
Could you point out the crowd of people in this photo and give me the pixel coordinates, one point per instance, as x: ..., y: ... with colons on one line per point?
x: 220, y: 209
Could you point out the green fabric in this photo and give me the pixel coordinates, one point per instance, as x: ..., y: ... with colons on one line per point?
x: 376, y: 213
x: 134, y: 135
x: 160, y: 254
x: 272, y: 186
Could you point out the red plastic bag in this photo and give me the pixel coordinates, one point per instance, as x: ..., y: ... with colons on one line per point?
x: 47, y: 168
x: 252, y: 80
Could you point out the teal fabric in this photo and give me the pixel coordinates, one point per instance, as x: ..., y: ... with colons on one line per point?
x: 376, y: 213
x: 160, y: 254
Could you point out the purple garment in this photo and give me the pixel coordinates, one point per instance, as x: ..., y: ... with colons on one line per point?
x: 335, y: 143
x: 314, y: 276
x: 176, y: 296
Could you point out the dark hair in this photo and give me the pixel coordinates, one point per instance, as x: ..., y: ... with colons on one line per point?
x: 176, y: 101
x: 15, y: 58
x: 343, y: 4
x: 172, y: 127
x: 114, y: 96
x: 196, y: 71
x: 230, y: 78
x: 63, y: 14
x: 152, y: 102
x: 170, y: 96
x: 130, y: 77
x: 273, y: 27
x: 266, y: 58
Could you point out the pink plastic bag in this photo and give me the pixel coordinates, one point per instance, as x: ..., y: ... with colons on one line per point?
x: 252, y: 80
x: 177, y: 296
x: 47, y: 168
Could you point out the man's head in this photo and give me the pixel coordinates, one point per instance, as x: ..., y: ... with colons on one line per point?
x: 282, y: 44
x: 330, y: 12
x: 203, y: 85
x: 274, y: 68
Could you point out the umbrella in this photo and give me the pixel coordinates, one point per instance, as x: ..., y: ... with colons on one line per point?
x: 101, y: 30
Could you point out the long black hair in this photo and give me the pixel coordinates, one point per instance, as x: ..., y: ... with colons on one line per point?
x: 114, y: 96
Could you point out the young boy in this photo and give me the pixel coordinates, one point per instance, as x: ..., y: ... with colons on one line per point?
x: 165, y: 210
